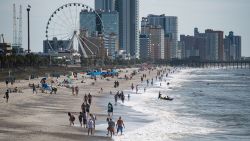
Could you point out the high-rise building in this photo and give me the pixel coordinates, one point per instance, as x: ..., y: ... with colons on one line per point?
x: 215, y: 45
x: 192, y: 46
x: 105, y: 5
x: 167, y: 52
x: 157, y: 42
x: 156, y: 35
x: 189, y: 43
x: 110, y: 24
x: 88, y: 22
x: 171, y: 29
x: 105, y: 24
x: 212, y: 46
x: 129, y: 26
x: 170, y: 26
x: 145, y: 47
x: 232, y: 47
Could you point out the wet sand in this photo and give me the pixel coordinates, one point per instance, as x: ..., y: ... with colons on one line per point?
x: 43, y: 116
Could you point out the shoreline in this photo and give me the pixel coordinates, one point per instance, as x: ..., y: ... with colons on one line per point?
x: 43, y: 116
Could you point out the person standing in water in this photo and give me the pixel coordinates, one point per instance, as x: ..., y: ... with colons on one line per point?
x: 132, y: 86
x: 159, y: 96
x: 120, y: 125
x: 116, y: 97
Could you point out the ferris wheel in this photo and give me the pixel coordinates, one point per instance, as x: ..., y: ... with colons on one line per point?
x: 64, y: 26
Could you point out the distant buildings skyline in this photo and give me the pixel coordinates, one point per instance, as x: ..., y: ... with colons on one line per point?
x: 232, y: 47
x: 210, y: 46
x: 219, y: 18
x: 158, y: 37
x: 170, y: 26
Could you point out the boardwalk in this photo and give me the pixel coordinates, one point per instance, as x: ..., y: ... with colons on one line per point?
x: 204, y: 64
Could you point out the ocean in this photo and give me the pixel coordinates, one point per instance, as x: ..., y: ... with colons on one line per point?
x: 209, y: 104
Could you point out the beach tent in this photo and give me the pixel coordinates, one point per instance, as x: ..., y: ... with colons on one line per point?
x: 94, y: 73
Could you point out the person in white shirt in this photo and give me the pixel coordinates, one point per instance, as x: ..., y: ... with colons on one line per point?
x: 90, y: 126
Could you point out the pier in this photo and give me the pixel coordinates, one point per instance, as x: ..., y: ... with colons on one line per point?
x: 215, y: 64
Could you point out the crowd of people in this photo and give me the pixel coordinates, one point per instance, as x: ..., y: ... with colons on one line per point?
x: 111, y: 126
x: 119, y: 95
x: 88, y: 120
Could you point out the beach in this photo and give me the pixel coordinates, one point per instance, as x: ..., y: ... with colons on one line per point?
x: 208, y: 104
x: 42, y: 116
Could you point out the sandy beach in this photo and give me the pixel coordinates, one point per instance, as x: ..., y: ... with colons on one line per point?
x: 41, y: 116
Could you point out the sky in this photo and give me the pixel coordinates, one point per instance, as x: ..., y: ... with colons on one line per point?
x: 225, y: 15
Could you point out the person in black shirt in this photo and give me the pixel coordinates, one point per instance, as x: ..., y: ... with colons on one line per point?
x: 6, y: 96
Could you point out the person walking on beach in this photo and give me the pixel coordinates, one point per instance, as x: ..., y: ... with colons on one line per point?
x: 93, y: 117
x: 110, y: 109
x: 118, y: 83
x: 120, y: 125
x: 6, y: 82
x: 73, y: 90
x: 77, y: 90
x: 84, y: 119
x: 83, y: 107
x: 90, y: 126
x: 111, y: 127
x: 34, y: 88
x: 89, y: 98
x: 71, y: 119
x: 132, y: 86
x: 80, y: 117
x: 87, y: 108
x: 85, y: 98
x: 6, y: 96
